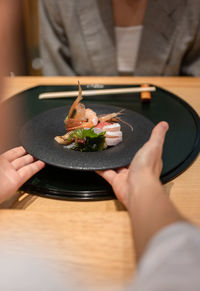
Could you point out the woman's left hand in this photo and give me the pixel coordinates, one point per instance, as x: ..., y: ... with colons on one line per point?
x: 144, y: 169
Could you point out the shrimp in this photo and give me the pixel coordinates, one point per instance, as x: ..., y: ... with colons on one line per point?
x: 113, y: 117
x: 79, y: 116
x: 110, y: 116
x: 91, y: 117
x: 77, y: 109
x: 91, y: 120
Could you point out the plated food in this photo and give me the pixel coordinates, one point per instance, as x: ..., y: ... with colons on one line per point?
x: 121, y: 133
x: 37, y: 137
x: 86, y: 131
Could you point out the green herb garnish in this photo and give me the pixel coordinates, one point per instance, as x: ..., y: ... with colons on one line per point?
x: 86, y: 140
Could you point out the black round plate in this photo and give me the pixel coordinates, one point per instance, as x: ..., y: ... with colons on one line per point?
x: 38, y: 134
x: 182, y: 143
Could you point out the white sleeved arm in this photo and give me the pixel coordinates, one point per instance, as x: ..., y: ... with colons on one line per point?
x: 171, y: 261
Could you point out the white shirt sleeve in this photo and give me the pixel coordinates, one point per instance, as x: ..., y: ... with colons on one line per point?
x: 171, y: 261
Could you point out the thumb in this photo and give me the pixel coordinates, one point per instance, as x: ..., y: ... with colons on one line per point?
x: 158, y: 134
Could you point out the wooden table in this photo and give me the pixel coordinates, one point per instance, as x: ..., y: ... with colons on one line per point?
x: 93, y: 238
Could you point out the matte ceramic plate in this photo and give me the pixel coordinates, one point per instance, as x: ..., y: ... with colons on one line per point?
x: 38, y: 134
x: 182, y: 143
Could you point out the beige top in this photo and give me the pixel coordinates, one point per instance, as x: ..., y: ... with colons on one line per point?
x: 78, y: 38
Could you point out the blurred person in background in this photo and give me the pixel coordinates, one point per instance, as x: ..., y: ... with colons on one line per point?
x: 120, y: 37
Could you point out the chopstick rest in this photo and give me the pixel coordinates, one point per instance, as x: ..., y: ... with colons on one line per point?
x: 145, y: 95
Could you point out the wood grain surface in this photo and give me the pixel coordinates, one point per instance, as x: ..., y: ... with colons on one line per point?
x: 93, y: 238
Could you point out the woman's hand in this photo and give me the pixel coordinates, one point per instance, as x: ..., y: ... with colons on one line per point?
x: 16, y: 167
x: 145, y: 168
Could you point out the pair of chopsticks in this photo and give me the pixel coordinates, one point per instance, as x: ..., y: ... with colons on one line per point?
x: 67, y: 94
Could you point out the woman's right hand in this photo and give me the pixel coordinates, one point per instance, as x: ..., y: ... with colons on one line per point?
x: 16, y: 167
